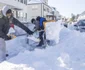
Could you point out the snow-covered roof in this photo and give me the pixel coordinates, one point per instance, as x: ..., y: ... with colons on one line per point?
x: 82, y: 14
x: 49, y: 14
x: 53, y: 9
x: 35, y: 1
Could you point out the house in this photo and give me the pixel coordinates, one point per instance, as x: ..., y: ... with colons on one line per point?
x: 25, y: 10
x: 55, y: 14
x: 38, y: 8
x: 81, y: 16
x: 19, y: 8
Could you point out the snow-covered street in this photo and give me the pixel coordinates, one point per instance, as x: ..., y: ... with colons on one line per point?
x: 67, y: 54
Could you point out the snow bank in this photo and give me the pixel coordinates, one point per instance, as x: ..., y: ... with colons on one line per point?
x: 68, y: 54
x: 39, y: 59
x: 53, y: 31
x: 72, y: 43
x: 16, y: 45
x: 11, y: 66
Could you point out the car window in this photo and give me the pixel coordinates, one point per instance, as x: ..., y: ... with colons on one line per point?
x: 83, y: 21
x: 79, y: 23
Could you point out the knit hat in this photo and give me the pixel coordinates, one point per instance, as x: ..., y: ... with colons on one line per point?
x: 9, y: 11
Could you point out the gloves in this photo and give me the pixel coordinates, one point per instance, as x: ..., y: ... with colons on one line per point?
x: 31, y: 33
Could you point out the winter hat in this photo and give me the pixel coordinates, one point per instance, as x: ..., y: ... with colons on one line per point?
x: 5, y: 9
x: 38, y: 18
x: 32, y: 20
x: 9, y: 11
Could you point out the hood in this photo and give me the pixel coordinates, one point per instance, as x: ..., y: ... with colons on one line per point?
x: 5, y: 9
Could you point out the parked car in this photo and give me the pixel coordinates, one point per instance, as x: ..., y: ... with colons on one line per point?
x: 80, y: 26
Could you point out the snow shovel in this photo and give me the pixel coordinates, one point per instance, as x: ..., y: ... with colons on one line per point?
x: 33, y: 38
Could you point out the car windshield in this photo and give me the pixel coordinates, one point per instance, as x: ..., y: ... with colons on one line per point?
x: 83, y: 21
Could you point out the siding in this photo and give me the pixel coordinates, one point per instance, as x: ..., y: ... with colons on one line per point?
x: 34, y: 11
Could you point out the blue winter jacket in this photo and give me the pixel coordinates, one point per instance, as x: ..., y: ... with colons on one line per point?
x: 41, y: 22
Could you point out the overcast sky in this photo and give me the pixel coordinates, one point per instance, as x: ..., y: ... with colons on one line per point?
x: 66, y: 7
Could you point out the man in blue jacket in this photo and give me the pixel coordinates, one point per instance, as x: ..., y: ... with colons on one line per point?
x: 42, y: 35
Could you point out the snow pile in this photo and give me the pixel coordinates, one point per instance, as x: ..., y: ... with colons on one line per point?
x: 53, y: 31
x: 73, y: 43
x: 39, y: 59
x: 11, y: 66
x: 68, y: 54
x: 16, y: 45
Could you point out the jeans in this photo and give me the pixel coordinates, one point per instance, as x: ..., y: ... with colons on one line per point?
x: 2, y: 50
x: 42, y: 37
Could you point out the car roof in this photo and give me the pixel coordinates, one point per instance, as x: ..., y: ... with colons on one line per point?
x: 82, y: 20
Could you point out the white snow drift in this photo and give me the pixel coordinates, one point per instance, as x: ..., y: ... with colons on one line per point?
x: 68, y: 54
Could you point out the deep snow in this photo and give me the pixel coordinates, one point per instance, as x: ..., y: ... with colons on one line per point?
x: 67, y: 54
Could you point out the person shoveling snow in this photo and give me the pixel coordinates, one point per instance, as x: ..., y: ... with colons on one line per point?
x: 40, y: 28
x: 49, y: 37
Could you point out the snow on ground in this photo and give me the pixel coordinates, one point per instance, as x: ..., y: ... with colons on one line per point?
x: 16, y: 45
x: 11, y: 66
x: 68, y: 54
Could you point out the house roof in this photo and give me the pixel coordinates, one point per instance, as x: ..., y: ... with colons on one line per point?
x: 35, y: 1
x: 83, y: 13
x: 49, y: 14
x: 38, y: 2
x: 53, y: 9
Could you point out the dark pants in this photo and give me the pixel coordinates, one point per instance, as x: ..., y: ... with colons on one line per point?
x: 42, y: 37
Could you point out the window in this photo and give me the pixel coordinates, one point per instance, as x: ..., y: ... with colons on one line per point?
x: 34, y: 7
x: 26, y: 15
x: 13, y: 12
x: 44, y: 9
x: 82, y: 22
x: 21, y: 14
x: 17, y: 14
x: 21, y: 1
x: 47, y: 10
x: 25, y: 2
